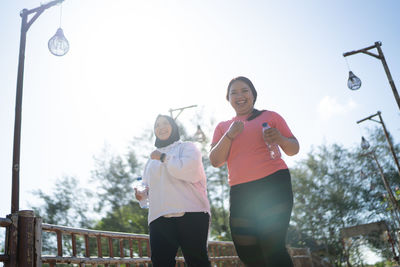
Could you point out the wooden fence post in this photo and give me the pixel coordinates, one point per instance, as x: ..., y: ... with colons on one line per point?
x: 38, y: 241
x: 12, y: 241
x: 26, y: 233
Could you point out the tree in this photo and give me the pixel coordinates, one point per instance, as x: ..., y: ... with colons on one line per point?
x: 67, y: 205
x: 115, y: 176
x: 330, y: 194
x: 218, y: 193
x: 324, y: 197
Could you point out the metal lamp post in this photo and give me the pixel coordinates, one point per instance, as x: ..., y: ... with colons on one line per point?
x: 25, y: 25
x: 354, y: 82
x: 386, y: 134
x: 365, y: 146
x: 199, y: 134
x: 391, y: 198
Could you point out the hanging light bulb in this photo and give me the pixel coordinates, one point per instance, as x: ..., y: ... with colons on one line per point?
x: 353, y: 82
x: 364, y: 143
x: 58, y: 44
x: 199, y: 135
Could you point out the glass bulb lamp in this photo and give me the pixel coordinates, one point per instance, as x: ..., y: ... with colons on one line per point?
x: 364, y: 143
x: 58, y: 44
x: 199, y: 135
x: 354, y: 83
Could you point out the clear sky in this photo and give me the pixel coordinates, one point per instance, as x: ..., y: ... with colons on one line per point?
x: 131, y: 60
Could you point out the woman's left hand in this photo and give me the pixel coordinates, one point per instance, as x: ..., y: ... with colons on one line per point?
x: 156, y: 154
x: 272, y: 136
x: 289, y: 145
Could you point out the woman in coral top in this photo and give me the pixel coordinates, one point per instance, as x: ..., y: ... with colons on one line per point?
x: 261, y: 197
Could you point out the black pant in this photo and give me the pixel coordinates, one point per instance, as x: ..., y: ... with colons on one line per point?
x: 259, y: 218
x: 189, y: 232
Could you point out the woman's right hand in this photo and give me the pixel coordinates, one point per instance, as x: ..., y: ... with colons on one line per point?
x: 219, y: 152
x: 235, y: 129
x: 139, y: 195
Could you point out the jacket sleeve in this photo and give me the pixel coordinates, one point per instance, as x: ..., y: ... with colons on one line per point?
x: 186, y: 165
x: 145, y: 175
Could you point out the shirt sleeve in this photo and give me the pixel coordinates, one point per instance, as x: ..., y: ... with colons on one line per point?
x: 145, y: 176
x: 145, y: 179
x: 218, y: 133
x: 187, y: 165
x: 281, y: 125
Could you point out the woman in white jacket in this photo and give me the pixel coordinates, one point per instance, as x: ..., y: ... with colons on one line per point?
x: 179, y: 211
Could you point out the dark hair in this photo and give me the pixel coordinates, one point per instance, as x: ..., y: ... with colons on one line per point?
x: 255, y: 113
x: 174, y: 134
x: 246, y: 81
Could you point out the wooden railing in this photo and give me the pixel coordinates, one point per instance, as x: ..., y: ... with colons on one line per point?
x: 5, y: 222
x: 99, y: 247
x: 82, y: 247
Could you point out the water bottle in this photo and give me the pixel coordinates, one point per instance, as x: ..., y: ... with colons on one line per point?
x: 142, y: 190
x: 273, y: 149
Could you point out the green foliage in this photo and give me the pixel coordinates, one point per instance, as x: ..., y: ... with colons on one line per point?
x: 330, y: 194
x: 67, y: 205
x: 218, y: 193
x: 115, y: 176
x: 129, y: 218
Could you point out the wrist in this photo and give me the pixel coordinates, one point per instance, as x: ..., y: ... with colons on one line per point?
x: 228, y: 136
x: 162, y: 157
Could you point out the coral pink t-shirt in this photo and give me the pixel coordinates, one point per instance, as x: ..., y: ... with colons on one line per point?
x: 248, y: 159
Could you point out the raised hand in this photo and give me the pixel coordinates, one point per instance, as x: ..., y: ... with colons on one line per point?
x: 156, y: 154
x: 273, y: 136
x: 235, y: 129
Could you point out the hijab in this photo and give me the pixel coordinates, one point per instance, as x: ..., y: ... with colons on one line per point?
x: 174, y: 133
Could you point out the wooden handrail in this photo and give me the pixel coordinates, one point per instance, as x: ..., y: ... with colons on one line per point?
x: 5, y: 222
x: 90, y: 233
x: 220, y: 251
x: 4, y: 258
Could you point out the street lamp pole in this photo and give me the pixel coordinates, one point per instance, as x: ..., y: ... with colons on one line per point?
x: 387, y: 186
x: 380, y: 56
x: 199, y: 135
x: 25, y: 25
x: 386, y: 134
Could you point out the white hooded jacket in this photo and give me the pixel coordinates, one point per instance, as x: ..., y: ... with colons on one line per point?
x: 178, y: 184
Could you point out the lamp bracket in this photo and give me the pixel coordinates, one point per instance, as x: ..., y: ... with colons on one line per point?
x: 365, y: 51
x: 180, y: 111
x: 371, y: 54
x: 375, y: 121
x: 38, y: 11
x: 370, y: 118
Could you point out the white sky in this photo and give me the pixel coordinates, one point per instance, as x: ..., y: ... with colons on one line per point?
x: 131, y: 60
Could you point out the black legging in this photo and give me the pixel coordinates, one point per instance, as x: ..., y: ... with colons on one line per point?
x: 189, y: 232
x: 259, y: 218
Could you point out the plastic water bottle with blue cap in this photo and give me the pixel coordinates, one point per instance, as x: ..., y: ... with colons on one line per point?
x: 273, y: 149
x: 141, y: 192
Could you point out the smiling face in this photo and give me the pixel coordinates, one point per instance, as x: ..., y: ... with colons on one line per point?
x: 162, y: 128
x: 241, y: 98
